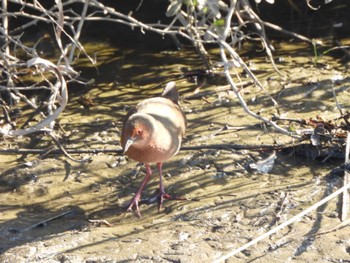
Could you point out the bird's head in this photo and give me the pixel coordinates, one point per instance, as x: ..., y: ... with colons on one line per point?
x: 138, y: 131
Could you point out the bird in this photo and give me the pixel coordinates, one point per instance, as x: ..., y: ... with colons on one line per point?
x: 152, y: 133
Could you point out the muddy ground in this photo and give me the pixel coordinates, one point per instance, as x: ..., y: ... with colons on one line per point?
x: 229, y: 203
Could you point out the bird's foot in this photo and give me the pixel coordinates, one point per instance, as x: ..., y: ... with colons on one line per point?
x: 134, y: 203
x: 161, y: 196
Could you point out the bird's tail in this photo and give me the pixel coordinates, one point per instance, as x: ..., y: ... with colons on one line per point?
x: 170, y: 92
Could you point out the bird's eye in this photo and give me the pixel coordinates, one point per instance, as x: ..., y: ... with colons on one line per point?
x: 139, y: 132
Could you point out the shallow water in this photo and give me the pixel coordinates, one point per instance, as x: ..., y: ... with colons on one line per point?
x: 231, y: 204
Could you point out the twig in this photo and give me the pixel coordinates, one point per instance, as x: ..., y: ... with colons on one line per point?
x: 229, y: 146
x: 44, y: 222
x: 5, y: 24
x: 57, y: 151
x: 287, y: 223
x: 42, y: 125
x: 224, y: 46
x: 64, y: 151
x: 343, y: 48
x: 78, y: 32
x: 279, y: 118
x: 59, y: 29
x: 280, y: 29
x: 237, y: 58
x: 99, y: 221
x: 130, y: 21
x: 260, y: 27
x: 346, y: 181
x: 336, y: 100
x: 339, y: 226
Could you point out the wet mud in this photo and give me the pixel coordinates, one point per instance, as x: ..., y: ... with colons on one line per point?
x: 57, y: 210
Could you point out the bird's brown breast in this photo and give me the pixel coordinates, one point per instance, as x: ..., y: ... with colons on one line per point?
x: 170, y: 125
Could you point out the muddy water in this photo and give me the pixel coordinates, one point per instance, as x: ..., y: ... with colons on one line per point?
x: 229, y: 205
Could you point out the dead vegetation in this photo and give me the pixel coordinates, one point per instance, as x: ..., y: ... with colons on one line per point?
x: 221, y: 23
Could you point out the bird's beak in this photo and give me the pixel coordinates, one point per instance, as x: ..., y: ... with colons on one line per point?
x: 128, y: 143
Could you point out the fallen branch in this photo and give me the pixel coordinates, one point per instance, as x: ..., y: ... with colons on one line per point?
x: 333, y: 229
x: 43, y: 223
x: 63, y: 150
x: 259, y: 147
x: 287, y: 223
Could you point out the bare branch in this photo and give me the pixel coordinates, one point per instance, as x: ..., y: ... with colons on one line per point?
x: 42, y: 125
x: 286, y: 223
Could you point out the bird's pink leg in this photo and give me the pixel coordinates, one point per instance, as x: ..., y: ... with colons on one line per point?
x: 163, y: 195
x: 135, y: 201
x: 160, y: 170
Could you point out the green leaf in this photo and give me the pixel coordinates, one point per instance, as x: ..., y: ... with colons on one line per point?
x: 219, y: 22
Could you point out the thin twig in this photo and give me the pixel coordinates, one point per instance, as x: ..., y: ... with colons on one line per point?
x: 280, y: 29
x: 5, y: 24
x: 58, y: 151
x: 239, y: 96
x: 336, y: 100
x: 239, y: 60
x: 339, y: 226
x: 42, y: 125
x: 287, y: 223
x: 229, y: 146
x: 346, y: 180
x: 60, y: 146
x: 78, y: 31
x: 44, y: 222
x: 100, y: 221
